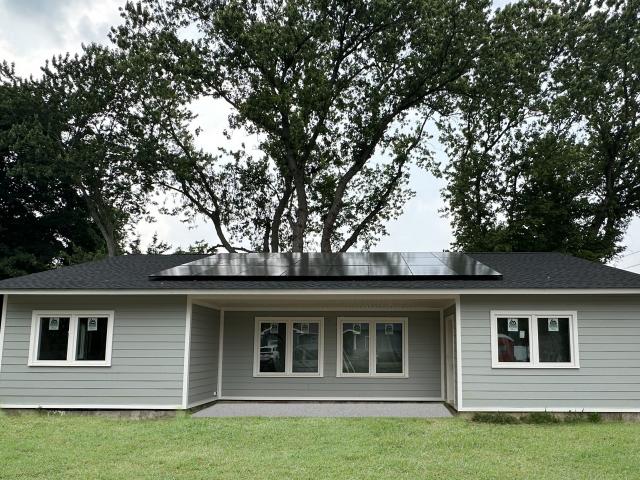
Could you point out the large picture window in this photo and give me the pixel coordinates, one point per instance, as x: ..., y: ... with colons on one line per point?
x: 534, y: 340
x: 370, y: 346
x: 66, y: 338
x: 288, y: 347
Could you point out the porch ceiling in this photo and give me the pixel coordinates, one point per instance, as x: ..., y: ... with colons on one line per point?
x: 324, y: 301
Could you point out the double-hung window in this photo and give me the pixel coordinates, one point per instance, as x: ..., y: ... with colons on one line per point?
x: 63, y: 338
x: 522, y: 339
x: 372, y: 347
x: 288, y: 346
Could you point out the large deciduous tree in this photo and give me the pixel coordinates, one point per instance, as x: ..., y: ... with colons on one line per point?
x: 545, y: 151
x: 42, y: 221
x: 337, y: 93
x: 87, y: 134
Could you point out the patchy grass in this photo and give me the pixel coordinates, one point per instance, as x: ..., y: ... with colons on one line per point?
x: 60, y: 447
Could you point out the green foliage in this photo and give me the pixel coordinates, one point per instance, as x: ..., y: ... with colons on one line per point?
x: 498, y: 418
x: 540, y: 418
x: 580, y: 417
x: 326, y: 448
x: 42, y: 221
x: 337, y: 94
x: 545, y: 149
x: 535, y: 418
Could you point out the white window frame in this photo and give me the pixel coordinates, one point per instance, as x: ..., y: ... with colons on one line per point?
x: 72, y: 341
x: 288, y: 358
x: 372, y: 321
x: 534, y: 355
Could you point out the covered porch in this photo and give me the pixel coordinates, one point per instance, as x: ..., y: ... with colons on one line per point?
x: 326, y: 409
x: 327, y: 347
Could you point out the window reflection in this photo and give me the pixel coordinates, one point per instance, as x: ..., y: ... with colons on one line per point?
x: 388, y: 347
x: 355, y: 348
x: 273, y: 338
x: 306, y: 337
x: 554, y: 340
x: 513, y: 340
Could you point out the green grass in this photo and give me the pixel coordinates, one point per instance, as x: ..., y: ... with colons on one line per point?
x: 52, y: 447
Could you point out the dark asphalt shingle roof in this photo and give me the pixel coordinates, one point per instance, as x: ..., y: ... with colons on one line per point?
x: 519, y: 271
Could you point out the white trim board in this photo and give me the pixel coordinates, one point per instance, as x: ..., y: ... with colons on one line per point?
x: 551, y: 409
x: 259, y: 308
x: 72, y: 338
x: 415, y: 292
x: 218, y: 391
x: 534, y: 346
x: 336, y: 399
x: 443, y: 392
x: 372, y: 321
x: 458, y: 337
x: 3, y: 322
x: 187, y: 353
x: 80, y: 406
x: 202, y: 402
x: 288, y: 370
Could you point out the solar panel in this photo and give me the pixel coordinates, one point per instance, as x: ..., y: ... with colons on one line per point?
x: 453, y: 265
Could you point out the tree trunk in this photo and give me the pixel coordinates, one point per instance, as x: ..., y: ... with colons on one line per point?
x: 106, y: 227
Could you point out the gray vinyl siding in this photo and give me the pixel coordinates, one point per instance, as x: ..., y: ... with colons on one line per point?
x: 609, y: 352
x: 147, y: 362
x: 424, y: 361
x: 203, y: 360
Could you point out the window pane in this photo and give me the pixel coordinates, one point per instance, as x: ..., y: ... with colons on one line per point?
x: 92, y: 338
x: 54, y: 337
x: 306, y: 341
x: 273, y: 338
x: 554, y: 340
x: 513, y: 339
x: 355, y: 348
x: 388, y: 347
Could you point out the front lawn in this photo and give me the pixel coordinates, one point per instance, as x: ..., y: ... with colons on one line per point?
x: 52, y: 447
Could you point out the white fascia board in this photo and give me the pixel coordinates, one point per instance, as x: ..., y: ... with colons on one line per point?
x: 414, y: 292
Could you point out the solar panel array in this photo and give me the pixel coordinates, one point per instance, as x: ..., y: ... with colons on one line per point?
x: 332, y: 265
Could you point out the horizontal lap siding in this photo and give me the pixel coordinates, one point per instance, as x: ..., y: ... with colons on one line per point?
x: 609, y: 351
x: 203, y: 363
x: 424, y: 361
x: 147, y: 362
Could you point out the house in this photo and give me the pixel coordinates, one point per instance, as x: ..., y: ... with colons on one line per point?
x: 481, y: 331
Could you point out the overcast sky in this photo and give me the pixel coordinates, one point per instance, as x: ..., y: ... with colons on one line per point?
x: 32, y: 31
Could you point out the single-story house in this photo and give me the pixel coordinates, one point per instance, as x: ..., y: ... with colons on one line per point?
x: 480, y: 331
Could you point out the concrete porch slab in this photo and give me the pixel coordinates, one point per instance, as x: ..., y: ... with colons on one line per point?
x: 325, y: 409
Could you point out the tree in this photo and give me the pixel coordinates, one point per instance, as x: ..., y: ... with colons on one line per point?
x: 97, y: 138
x: 339, y: 95
x: 598, y: 92
x: 544, y: 153
x: 42, y: 223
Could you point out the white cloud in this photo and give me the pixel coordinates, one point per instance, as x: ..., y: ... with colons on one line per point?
x: 32, y: 31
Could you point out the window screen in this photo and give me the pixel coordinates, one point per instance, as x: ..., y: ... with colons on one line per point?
x: 554, y: 339
x: 273, y: 341
x: 92, y: 338
x: 513, y: 340
x: 355, y: 348
x: 54, y: 338
x: 306, y: 341
x: 388, y: 347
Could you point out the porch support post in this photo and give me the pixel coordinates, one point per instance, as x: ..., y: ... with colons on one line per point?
x: 458, y: 334
x: 3, y: 325
x: 187, y: 354
x: 443, y: 394
x: 220, y: 355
